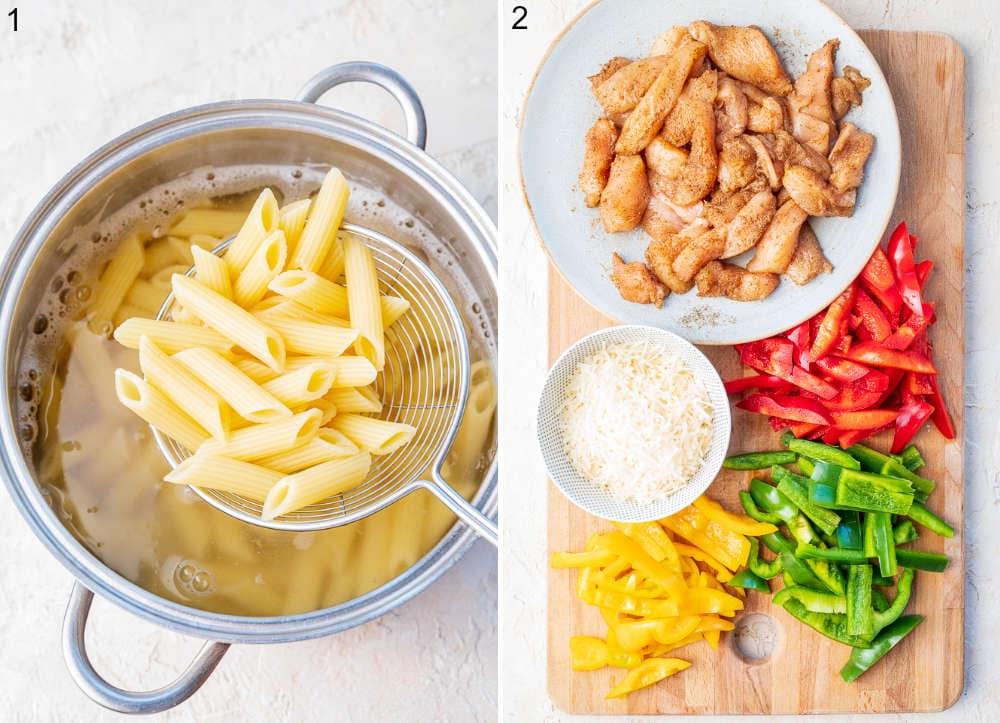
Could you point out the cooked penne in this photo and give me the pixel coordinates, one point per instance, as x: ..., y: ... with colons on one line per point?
x: 127, y: 311
x: 212, y: 271
x: 184, y: 247
x: 263, y: 440
x: 157, y: 255
x: 171, y: 336
x: 232, y: 321
x: 215, y: 472
x: 333, y: 265
x: 262, y: 220
x: 326, y: 445
x: 119, y: 275
x: 393, y: 307
x: 247, y: 398
x: 266, y: 263
x: 292, y: 219
x: 306, y: 337
x: 183, y: 389
x: 313, y: 291
x: 311, y: 485
x: 373, y: 435
x: 209, y: 221
x: 300, y: 386
x: 288, y: 309
x: 364, y: 302
x: 327, y: 408
x: 319, y: 235
x: 152, y: 406
x: 260, y: 373
x: 355, y: 399
x: 147, y: 296
x: 353, y: 371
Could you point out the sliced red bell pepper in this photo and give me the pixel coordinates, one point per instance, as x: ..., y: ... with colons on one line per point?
x: 900, y: 252
x: 771, y: 356
x: 878, y: 356
x: 903, y: 337
x: 760, y: 381
x: 942, y: 420
x: 812, y: 383
x: 923, y: 271
x: 843, y: 370
x: 860, y: 394
x: 801, y: 429
x: 843, y: 345
x: 818, y: 432
x: 917, y: 384
x: 801, y: 337
x: 831, y: 327
x: 853, y: 436
x: 895, y: 377
x: 864, y: 419
x: 877, y: 279
x: 871, y: 317
x: 912, y: 416
x: 795, y: 408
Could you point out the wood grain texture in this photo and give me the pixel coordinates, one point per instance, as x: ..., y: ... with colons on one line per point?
x: 926, y: 74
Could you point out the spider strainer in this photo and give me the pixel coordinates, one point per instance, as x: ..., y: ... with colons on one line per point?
x: 598, y: 500
x: 425, y: 383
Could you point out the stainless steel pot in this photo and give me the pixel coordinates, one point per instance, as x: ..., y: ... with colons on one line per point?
x: 254, y: 131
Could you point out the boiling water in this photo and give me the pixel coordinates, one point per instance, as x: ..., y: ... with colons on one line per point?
x: 99, y: 466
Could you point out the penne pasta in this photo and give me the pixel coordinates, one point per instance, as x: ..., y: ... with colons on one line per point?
x: 157, y: 255
x: 311, y: 485
x: 247, y: 398
x: 183, y: 389
x: 278, y: 307
x: 326, y: 445
x: 127, y: 311
x: 232, y: 321
x: 215, y: 472
x: 119, y: 275
x: 319, y: 235
x: 146, y: 296
x: 373, y: 435
x: 257, y: 371
x: 292, y: 219
x: 153, y: 407
x: 353, y: 371
x: 261, y: 221
x: 171, y: 336
x: 327, y: 408
x: 209, y: 221
x: 364, y: 301
x: 354, y: 399
x: 184, y: 247
x: 266, y: 263
x: 263, y: 440
x: 312, y: 291
x: 393, y: 307
x: 332, y: 267
x: 307, y: 337
x: 300, y: 386
x: 212, y: 271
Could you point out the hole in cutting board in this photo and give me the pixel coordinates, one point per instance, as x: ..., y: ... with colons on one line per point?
x: 755, y: 637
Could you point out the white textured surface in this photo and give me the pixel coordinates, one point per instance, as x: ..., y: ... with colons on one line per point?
x: 523, y: 291
x: 78, y: 74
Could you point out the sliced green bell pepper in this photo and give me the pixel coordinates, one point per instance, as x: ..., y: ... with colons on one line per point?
x: 868, y: 535
x: 759, y: 460
x: 879, y: 600
x: 777, y: 543
x: 904, y: 532
x: 805, y: 465
x: 863, y: 659
x: 752, y: 510
x: 885, y: 547
x: 761, y: 568
x: 832, y: 625
x: 904, y: 587
x: 872, y: 493
x: 813, y: 600
x: 831, y: 554
x: 928, y: 561
x: 799, y: 572
x: 911, y: 458
x: 819, y: 452
x: 770, y: 500
x: 923, y: 516
x: 796, y: 488
x: 848, y: 532
x: 882, y: 581
x: 860, y: 615
x: 745, y: 578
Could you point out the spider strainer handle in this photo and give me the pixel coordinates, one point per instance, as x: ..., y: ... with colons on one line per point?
x: 384, y: 77
x: 466, y: 511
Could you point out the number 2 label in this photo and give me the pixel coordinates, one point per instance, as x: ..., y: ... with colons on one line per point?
x: 520, y: 16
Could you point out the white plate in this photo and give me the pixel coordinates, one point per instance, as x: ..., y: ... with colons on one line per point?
x: 560, y: 109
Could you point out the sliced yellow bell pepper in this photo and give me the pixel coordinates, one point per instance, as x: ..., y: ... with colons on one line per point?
x: 696, y: 553
x: 632, y: 605
x: 651, y: 537
x: 712, y: 638
x: 618, y: 656
x: 659, y: 649
x: 713, y: 622
x: 657, y: 572
x: 593, y: 558
x: 637, y: 634
x: 705, y: 601
x: 740, y: 524
x: 588, y: 653
x: 727, y: 547
x: 651, y: 671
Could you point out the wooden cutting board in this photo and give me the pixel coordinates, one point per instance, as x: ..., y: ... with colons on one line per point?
x: 925, y: 672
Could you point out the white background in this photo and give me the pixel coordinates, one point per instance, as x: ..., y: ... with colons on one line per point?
x: 523, y: 293
x: 74, y: 76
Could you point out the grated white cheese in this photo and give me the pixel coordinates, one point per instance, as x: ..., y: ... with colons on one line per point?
x: 637, y: 421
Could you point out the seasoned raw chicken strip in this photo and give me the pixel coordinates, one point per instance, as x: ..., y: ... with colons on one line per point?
x: 624, y: 198
x: 789, y: 151
x: 731, y: 110
x: 845, y: 91
x: 766, y: 163
x: 597, y: 159
x: 848, y: 157
x: 663, y: 217
x: 723, y: 206
x: 660, y: 256
x: 668, y: 42
x: 688, y: 111
x: 663, y: 160
x: 765, y: 113
x: 777, y: 246
x: 744, y: 53
x: 808, y: 260
x: 734, y: 282
x: 737, y: 164
x: 809, y: 105
x: 698, y: 252
x: 636, y: 283
x: 746, y: 229
x: 607, y: 70
x: 816, y: 196
x: 645, y: 122
x: 695, y: 179
x: 622, y: 91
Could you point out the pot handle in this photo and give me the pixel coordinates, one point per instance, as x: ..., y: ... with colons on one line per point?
x: 361, y: 71
x: 466, y: 511
x: 101, y: 691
